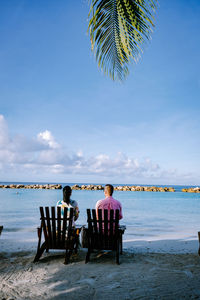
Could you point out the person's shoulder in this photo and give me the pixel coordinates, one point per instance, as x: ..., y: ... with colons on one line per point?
x: 59, y: 203
x: 99, y: 202
x: 117, y: 201
x: 73, y: 202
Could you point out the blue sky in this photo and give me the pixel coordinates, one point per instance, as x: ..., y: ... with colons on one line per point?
x: 62, y: 120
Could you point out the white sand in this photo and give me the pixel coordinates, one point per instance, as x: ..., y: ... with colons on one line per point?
x: 168, y: 269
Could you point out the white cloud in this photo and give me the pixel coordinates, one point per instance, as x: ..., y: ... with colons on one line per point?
x: 4, y: 140
x: 43, y: 155
x: 47, y: 138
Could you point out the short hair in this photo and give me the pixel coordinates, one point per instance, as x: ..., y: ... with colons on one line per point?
x: 66, y: 193
x: 109, y: 188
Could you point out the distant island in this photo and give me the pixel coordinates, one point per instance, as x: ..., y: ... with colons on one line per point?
x: 32, y: 186
x: 96, y: 187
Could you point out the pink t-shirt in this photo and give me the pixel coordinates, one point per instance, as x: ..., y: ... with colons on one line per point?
x: 110, y: 203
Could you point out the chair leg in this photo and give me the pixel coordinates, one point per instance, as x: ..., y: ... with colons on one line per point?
x: 87, y: 258
x: 90, y: 249
x: 40, y: 252
x: 67, y: 256
x: 1, y: 228
x: 121, y: 245
x: 117, y: 251
x: 199, y: 242
x: 76, y: 245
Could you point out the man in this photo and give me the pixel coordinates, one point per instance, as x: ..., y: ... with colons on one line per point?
x: 109, y: 202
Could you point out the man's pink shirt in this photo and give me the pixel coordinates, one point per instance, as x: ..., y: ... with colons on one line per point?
x: 110, y: 203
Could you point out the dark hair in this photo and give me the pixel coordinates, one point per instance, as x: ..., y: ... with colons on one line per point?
x: 67, y: 191
x: 109, y: 188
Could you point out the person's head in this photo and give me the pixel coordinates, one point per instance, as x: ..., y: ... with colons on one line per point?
x: 67, y: 191
x: 108, y: 190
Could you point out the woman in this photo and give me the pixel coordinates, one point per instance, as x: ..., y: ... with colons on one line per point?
x: 69, y: 203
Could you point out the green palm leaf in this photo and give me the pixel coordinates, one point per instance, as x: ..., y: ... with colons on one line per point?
x: 117, y: 29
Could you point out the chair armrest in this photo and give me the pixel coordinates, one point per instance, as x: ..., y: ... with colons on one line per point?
x: 39, y: 230
x: 1, y: 228
x: 79, y: 226
x: 122, y: 228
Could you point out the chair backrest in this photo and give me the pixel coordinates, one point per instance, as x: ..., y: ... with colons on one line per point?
x: 56, y: 228
x: 103, y: 227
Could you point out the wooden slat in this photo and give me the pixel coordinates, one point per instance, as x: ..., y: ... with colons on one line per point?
x: 58, y: 224
x: 101, y: 233
x: 106, y: 227
x: 95, y: 226
x: 89, y: 218
x: 111, y: 225
x: 64, y: 225
x: 70, y: 219
x: 69, y: 224
x: 90, y: 229
x: 116, y: 222
x: 44, y: 224
x: 53, y: 221
x: 100, y: 221
x: 94, y: 221
x: 48, y: 226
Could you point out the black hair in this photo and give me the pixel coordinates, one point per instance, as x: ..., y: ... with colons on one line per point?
x: 67, y: 191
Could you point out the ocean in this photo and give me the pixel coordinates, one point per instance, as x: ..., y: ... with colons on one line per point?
x: 148, y: 216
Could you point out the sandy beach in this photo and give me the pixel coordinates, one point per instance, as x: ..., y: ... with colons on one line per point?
x: 148, y: 270
x: 160, y: 259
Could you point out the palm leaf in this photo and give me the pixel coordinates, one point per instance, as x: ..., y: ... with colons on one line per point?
x: 118, y: 28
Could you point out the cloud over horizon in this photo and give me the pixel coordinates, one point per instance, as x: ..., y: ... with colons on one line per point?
x: 44, y: 155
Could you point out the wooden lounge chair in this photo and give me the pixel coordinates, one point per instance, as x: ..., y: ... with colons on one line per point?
x: 58, y: 232
x: 104, y: 232
x: 1, y: 228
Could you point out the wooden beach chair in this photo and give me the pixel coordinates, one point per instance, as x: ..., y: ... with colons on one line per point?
x: 58, y: 232
x: 1, y: 228
x: 104, y: 232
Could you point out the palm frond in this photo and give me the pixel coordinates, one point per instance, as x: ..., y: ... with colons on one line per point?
x: 118, y: 28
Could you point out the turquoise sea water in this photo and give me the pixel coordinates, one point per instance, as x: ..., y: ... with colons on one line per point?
x: 147, y: 215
